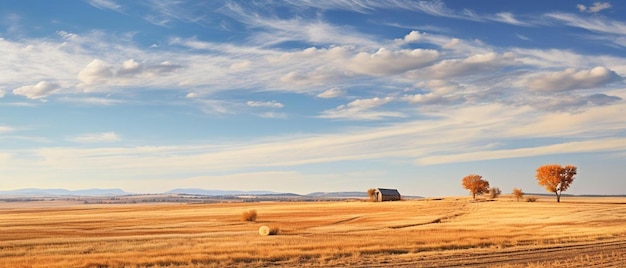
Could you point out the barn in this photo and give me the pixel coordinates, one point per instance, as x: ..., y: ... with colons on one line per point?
x: 383, y: 194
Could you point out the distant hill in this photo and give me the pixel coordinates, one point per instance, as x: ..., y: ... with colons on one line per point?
x: 64, y: 192
x: 338, y: 194
x: 198, y: 191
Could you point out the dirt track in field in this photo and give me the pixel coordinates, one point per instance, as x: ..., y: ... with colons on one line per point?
x: 594, y: 254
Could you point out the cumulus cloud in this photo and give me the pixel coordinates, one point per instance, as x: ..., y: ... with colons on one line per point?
x: 595, y: 8
x: 191, y: 95
x: 96, y: 138
x: 97, y: 71
x: 265, y: 104
x: 40, y: 90
x: 129, y: 67
x: 2, y: 92
x: 411, y: 37
x: 386, y: 62
x: 471, y: 65
x: 332, y: 93
x: 572, y: 79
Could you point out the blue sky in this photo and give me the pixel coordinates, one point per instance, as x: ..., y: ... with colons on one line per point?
x: 305, y: 96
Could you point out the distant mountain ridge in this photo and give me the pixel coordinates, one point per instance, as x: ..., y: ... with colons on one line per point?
x: 64, y: 192
x: 338, y: 194
x: 189, y: 191
x: 199, y: 191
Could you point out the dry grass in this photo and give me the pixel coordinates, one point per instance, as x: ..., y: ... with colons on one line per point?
x: 405, y: 233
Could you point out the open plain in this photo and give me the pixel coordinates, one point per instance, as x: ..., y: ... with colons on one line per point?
x: 443, y: 232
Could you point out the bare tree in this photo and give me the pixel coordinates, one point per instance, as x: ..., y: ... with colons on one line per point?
x: 475, y: 184
x: 518, y: 194
x: 371, y: 192
x: 556, y: 178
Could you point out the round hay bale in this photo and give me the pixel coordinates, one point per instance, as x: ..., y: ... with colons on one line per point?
x: 264, y: 230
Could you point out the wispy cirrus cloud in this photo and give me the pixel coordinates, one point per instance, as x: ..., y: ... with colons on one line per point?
x: 332, y: 93
x: 104, y: 137
x: 106, y: 4
x: 458, y: 134
x: 594, y: 24
x: 362, y: 109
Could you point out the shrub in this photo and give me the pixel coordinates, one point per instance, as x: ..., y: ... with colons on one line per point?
x: 249, y: 215
x: 531, y: 199
x: 494, y: 192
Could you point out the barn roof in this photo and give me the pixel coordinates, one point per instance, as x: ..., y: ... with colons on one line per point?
x: 384, y: 191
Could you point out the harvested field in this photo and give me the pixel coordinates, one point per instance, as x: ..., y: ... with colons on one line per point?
x: 448, y: 232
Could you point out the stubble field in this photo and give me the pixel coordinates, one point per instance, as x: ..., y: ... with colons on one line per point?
x: 447, y: 232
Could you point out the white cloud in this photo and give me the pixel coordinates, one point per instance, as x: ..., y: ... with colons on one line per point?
x: 595, y: 8
x: 191, y: 95
x: 411, y: 37
x: 332, y: 93
x: 363, y: 104
x: 455, y: 134
x: 96, y: 72
x: 386, y: 62
x: 96, y: 138
x: 276, y: 31
x: 6, y: 129
x: 129, y: 67
x: 67, y: 35
x: 361, y: 109
x: 94, y: 100
x: 601, y: 145
x: 509, y: 18
x: 239, y: 66
x: 38, y: 91
x: 2, y: 92
x: 105, y: 4
x: 274, y: 115
x: 477, y: 63
x: 265, y: 104
x: 523, y: 37
x: 595, y: 24
x: 439, y: 91
x: 453, y: 43
x: 572, y: 79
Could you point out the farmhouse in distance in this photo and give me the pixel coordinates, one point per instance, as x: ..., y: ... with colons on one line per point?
x: 382, y: 194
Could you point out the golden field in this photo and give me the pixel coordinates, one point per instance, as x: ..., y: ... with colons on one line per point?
x: 446, y: 232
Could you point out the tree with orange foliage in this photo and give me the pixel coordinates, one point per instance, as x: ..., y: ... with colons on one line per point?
x: 475, y: 184
x: 518, y: 193
x: 556, y: 178
x: 371, y: 193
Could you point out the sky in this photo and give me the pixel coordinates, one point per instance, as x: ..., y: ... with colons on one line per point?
x: 304, y: 96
